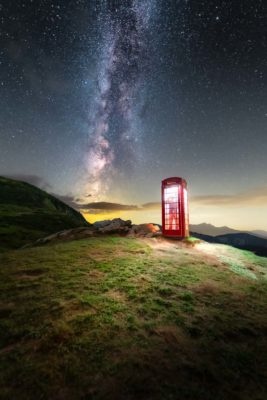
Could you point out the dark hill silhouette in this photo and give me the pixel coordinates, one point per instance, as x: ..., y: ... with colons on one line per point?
x: 28, y: 213
x: 241, y: 240
x: 245, y: 241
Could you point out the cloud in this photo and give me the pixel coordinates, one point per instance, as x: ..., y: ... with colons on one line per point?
x: 249, y: 198
x: 256, y: 197
x: 102, y: 206
x: 98, y: 207
x: 34, y: 180
x: 68, y: 199
x: 252, y: 197
x: 151, y: 206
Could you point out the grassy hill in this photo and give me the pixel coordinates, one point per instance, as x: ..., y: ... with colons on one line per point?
x: 28, y: 213
x: 119, y: 318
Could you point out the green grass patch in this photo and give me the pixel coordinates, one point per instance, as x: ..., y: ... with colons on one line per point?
x: 28, y: 213
x: 113, y: 318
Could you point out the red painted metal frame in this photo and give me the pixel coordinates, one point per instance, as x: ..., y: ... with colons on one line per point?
x: 183, y: 230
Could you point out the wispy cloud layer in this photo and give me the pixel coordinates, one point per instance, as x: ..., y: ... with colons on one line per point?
x: 105, y: 206
x: 252, y: 197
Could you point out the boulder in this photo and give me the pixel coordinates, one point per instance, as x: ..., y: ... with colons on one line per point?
x: 117, y: 225
x: 102, y: 224
x: 65, y: 233
x: 144, y: 230
x: 68, y: 234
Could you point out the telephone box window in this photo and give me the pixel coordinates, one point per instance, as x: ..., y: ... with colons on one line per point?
x: 174, y: 207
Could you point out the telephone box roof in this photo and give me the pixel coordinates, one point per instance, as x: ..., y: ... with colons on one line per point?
x: 174, y: 179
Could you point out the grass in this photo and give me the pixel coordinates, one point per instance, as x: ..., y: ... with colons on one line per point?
x: 28, y: 213
x: 117, y: 318
x: 19, y: 227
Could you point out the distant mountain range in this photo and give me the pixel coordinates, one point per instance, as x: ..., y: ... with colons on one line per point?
x: 211, y: 230
x: 241, y: 240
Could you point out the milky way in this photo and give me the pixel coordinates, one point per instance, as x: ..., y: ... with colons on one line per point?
x: 101, y: 99
x: 113, y: 137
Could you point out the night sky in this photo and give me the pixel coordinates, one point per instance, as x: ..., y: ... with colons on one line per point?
x: 101, y: 100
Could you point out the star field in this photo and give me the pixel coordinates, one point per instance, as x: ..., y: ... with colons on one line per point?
x: 106, y: 98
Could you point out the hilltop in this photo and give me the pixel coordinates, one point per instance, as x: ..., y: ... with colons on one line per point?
x: 133, y: 318
x: 115, y: 311
x: 28, y: 213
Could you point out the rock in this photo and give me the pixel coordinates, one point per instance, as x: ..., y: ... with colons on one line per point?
x: 150, y: 235
x: 102, y: 224
x: 50, y: 238
x: 68, y: 234
x: 88, y: 232
x: 144, y: 230
x: 83, y: 233
x: 65, y: 233
x: 117, y: 225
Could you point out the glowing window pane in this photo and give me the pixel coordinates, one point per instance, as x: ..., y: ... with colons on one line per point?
x: 171, y: 208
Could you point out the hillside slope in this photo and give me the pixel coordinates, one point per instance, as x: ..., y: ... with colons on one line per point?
x: 241, y: 240
x: 118, y: 318
x: 28, y: 213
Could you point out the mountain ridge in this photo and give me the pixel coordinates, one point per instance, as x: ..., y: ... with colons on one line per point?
x: 212, y: 230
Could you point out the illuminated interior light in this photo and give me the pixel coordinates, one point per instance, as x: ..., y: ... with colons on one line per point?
x: 175, y: 221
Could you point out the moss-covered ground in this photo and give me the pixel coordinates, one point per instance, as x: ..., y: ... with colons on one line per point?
x: 118, y: 318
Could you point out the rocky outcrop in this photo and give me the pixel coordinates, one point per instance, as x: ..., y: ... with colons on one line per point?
x: 68, y: 234
x: 99, y: 228
x: 116, y: 225
x: 144, y: 230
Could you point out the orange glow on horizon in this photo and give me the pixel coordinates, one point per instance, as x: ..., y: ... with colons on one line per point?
x: 137, y: 217
x: 243, y: 218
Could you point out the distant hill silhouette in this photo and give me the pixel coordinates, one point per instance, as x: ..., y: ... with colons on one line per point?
x: 240, y: 240
x: 28, y: 213
x: 260, y: 233
x: 211, y: 230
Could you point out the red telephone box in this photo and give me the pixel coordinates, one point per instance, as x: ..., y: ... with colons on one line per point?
x: 175, y: 222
